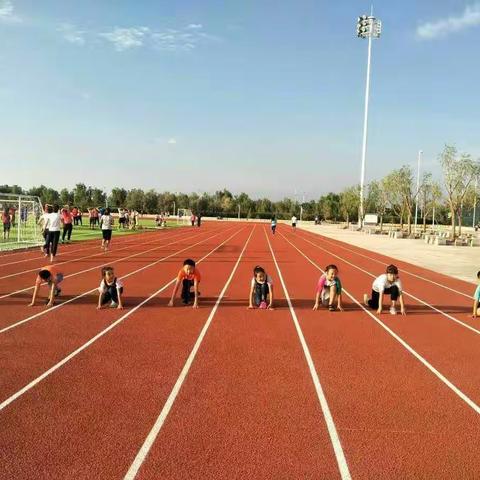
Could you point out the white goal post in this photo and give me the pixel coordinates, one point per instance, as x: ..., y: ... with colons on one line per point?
x: 183, y: 216
x: 23, y: 212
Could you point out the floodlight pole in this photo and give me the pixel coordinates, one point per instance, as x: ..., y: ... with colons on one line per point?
x: 365, y: 132
x: 418, y: 187
x: 367, y: 27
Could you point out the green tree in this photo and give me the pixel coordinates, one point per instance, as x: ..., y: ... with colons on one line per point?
x: 118, y: 197
x: 136, y: 199
x: 459, y: 171
x: 350, y: 202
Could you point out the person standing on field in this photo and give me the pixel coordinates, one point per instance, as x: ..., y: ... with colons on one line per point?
x: 53, y: 224
x: 67, y: 219
x: 106, y: 224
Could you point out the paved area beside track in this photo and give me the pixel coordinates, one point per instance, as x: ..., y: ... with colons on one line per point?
x: 459, y: 262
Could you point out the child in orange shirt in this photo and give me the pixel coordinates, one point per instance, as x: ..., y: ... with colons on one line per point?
x: 53, y: 277
x: 189, y: 277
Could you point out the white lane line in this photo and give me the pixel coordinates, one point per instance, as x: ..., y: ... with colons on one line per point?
x: 151, y: 437
x: 66, y: 250
x: 441, y: 312
x: 66, y: 302
x: 104, y: 264
x: 332, y: 430
x: 124, y: 246
x: 62, y: 362
x: 394, y: 259
x: 419, y: 357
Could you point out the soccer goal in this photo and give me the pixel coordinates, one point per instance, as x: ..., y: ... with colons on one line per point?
x: 183, y: 216
x: 22, y: 213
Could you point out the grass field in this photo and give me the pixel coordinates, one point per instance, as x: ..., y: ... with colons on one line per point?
x: 80, y: 233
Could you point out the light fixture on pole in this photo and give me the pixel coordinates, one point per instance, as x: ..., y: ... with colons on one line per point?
x: 420, y: 152
x: 367, y: 27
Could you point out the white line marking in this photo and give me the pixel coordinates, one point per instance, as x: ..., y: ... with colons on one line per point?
x: 62, y: 362
x: 334, y: 437
x: 66, y: 302
x: 425, y: 362
x: 102, y: 265
x: 445, y: 314
x: 151, y: 437
x: 392, y: 258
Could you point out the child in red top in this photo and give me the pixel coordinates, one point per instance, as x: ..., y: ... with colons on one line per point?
x: 53, y: 277
x: 189, y: 277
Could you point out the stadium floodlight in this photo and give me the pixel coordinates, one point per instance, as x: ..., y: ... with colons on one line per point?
x: 367, y: 27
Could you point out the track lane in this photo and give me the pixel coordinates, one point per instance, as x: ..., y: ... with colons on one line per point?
x: 87, y: 419
x: 448, y: 345
x: 395, y: 418
x: 248, y: 408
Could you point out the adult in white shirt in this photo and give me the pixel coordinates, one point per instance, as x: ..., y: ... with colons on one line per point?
x: 106, y: 223
x: 388, y: 283
x: 294, y: 222
x: 53, y: 224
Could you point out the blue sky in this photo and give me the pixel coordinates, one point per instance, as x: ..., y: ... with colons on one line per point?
x: 259, y: 96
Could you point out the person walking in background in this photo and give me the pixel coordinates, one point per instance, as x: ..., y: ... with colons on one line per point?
x: 7, y: 223
x: 106, y: 224
x: 294, y: 223
x: 53, y: 223
x: 199, y: 220
x: 67, y: 219
x: 75, y: 215
x: 273, y: 224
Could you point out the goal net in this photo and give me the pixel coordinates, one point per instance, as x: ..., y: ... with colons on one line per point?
x: 184, y: 216
x: 19, y: 226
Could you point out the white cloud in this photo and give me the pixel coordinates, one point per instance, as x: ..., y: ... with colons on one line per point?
x: 72, y: 34
x: 125, y: 38
x: 195, y: 26
x: 7, y: 12
x: 172, y: 141
x: 445, y: 26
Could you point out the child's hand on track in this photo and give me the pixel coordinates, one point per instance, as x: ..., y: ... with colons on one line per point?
x: 315, y: 307
x: 379, y: 311
x: 340, y: 308
x: 250, y: 307
x: 120, y: 307
x: 49, y: 304
x: 195, y: 305
x: 170, y: 303
x: 271, y: 307
x: 31, y: 304
x: 403, y: 312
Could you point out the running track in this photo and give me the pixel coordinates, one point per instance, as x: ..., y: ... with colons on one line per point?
x: 223, y: 392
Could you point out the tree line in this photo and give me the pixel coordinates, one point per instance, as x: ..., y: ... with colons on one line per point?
x: 392, y: 198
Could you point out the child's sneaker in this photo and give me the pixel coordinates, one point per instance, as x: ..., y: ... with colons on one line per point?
x: 263, y: 305
x: 365, y: 300
x: 58, y: 291
x: 393, y: 311
x: 113, y: 304
x: 331, y: 308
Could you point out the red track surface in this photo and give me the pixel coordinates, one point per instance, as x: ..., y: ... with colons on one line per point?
x: 246, y: 405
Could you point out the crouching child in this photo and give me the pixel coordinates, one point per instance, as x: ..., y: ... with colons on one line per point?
x: 188, y: 276
x: 110, y: 290
x: 52, y: 277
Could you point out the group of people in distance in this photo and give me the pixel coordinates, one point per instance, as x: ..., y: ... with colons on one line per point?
x: 128, y: 218
x: 54, y: 220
